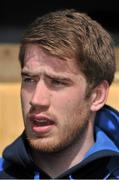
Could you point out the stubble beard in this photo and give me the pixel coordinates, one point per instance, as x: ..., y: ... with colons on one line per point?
x: 68, y: 136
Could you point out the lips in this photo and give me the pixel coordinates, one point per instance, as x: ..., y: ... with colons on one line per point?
x: 41, y: 121
x: 41, y: 124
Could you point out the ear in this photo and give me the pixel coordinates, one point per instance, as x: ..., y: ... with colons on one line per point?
x: 99, y: 96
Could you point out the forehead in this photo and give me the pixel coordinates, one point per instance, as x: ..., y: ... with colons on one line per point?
x: 36, y: 57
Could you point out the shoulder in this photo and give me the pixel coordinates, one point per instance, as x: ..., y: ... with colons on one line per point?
x: 113, y: 168
x: 3, y: 172
x: 1, y: 164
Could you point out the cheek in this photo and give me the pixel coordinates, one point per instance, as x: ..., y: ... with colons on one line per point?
x: 69, y: 101
x: 25, y: 100
x: 70, y: 98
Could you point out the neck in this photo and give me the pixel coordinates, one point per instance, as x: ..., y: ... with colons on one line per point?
x: 55, y: 164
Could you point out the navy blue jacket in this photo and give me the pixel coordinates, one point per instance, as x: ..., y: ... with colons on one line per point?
x: 100, y: 162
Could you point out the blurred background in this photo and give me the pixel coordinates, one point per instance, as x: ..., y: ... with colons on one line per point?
x: 14, y: 19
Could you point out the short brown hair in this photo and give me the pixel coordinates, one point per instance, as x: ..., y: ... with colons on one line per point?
x: 70, y: 33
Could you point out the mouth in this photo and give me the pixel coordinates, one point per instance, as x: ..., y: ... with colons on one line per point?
x: 41, y: 124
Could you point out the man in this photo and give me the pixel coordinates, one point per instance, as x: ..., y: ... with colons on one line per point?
x: 67, y: 65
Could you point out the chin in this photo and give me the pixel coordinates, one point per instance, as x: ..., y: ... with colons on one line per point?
x: 46, y: 145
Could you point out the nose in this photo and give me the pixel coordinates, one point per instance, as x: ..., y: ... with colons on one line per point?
x: 41, y: 96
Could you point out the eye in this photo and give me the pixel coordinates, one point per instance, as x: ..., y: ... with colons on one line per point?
x: 28, y: 79
x: 58, y: 83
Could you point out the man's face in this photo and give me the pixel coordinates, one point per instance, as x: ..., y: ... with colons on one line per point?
x: 53, y: 94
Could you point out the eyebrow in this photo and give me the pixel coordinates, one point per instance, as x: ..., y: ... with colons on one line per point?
x: 27, y: 73
x: 48, y: 75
